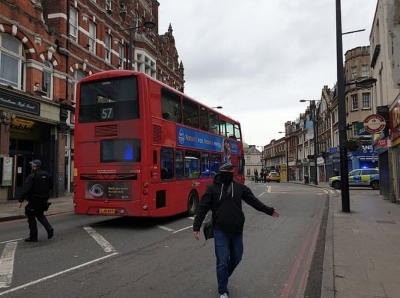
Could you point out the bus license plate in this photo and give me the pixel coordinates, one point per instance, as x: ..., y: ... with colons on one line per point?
x: 107, y: 211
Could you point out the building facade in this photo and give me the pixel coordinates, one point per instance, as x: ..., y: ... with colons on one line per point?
x: 274, y: 158
x: 253, y: 161
x: 372, y: 87
x: 46, y: 47
x: 385, y: 61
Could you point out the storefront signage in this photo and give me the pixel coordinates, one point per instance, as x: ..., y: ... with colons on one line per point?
x: 361, y: 129
x: 17, y: 104
x: 374, y: 123
x: 382, y: 143
x: 25, y: 129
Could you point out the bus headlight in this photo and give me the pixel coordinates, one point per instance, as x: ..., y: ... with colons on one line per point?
x: 144, y: 207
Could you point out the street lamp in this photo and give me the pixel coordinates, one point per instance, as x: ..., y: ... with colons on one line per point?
x: 262, y: 158
x: 314, y: 120
x: 344, y: 174
x: 287, y: 156
x: 148, y: 25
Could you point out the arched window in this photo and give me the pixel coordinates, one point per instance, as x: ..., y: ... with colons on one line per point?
x: 47, y: 79
x: 11, y: 61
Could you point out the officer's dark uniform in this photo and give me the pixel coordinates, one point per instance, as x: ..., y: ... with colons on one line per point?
x: 36, y: 192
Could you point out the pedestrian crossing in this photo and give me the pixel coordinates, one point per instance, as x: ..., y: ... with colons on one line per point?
x: 7, y: 264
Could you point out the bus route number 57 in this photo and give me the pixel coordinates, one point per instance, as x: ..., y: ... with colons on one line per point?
x: 107, y: 113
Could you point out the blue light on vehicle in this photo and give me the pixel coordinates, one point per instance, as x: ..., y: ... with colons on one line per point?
x: 128, y: 151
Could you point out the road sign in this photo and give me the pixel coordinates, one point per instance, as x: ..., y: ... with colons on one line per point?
x: 374, y: 123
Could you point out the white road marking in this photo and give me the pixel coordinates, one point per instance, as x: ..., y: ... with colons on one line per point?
x: 11, y: 241
x: 55, y: 275
x: 100, y: 239
x: 165, y: 228
x: 7, y: 264
x: 180, y: 230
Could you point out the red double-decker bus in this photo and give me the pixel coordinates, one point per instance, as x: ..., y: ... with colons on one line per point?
x: 144, y: 149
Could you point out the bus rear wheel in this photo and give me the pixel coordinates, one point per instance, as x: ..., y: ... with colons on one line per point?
x: 193, y: 203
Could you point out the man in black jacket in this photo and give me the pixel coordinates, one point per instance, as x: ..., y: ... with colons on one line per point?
x: 36, y: 192
x: 227, y: 195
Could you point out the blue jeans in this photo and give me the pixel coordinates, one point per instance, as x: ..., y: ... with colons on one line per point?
x: 229, y: 251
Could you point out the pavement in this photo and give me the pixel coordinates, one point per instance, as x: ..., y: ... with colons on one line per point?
x: 10, y: 211
x: 362, y: 248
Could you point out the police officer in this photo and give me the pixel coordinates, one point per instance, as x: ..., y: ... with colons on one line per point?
x: 36, y: 192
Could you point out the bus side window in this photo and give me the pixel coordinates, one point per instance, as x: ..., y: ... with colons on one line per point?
x: 214, y: 123
x: 187, y: 172
x: 215, y: 162
x: 203, y: 118
x: 167, y: 163
x: 192, y: 164
x: 190, y: 113
x: 171, y: 106
x: 166, y: 115
x: 179, y: 164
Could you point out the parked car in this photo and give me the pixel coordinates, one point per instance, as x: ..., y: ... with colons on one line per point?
x: 273, y: 176
x: 358, y: 177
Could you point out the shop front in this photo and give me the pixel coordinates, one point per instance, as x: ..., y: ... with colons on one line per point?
x: 28, y: 131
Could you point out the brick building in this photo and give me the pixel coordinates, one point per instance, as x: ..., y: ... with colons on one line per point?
x: 46, y: 47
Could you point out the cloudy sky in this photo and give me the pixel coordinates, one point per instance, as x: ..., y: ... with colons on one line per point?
x: 258, y: 58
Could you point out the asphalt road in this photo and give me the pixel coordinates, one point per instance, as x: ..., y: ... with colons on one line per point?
x: 125, y: 257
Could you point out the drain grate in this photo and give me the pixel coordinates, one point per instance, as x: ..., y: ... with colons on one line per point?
x: 386, y: 222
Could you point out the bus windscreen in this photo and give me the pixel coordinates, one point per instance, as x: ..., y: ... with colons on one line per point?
x: 109, y: 100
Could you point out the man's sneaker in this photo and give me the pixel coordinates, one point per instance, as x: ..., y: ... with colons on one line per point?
x: 224, y: 296
x: 31, y: 239
x: 50, y: 233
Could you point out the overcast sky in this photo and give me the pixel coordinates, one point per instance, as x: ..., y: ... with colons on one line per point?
x: 258, y: 58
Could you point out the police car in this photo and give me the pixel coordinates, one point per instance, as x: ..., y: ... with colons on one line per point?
x: 358, y: 177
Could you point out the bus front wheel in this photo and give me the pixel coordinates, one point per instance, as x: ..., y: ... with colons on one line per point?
x: 193, y: 203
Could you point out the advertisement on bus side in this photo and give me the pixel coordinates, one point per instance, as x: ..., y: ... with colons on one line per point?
x: 199, y: 140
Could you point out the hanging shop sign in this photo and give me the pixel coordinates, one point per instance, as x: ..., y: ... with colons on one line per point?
x: 361, y: 131
x: 382, y: 143
x: 374, y: 123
